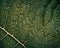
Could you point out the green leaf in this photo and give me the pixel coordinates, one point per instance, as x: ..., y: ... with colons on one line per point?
x: 35, y: 23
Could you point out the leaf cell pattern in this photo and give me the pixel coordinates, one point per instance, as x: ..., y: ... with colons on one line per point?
x: 36, y: 23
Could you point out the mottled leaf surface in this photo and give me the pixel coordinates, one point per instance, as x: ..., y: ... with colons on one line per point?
x: 36, y: 23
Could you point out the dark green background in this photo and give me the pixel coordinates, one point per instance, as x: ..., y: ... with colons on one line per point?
x: 36, y: 23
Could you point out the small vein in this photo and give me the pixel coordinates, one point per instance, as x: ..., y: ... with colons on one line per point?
x: 13, y: 37
x: 15, y: 45
x: 4, y: 37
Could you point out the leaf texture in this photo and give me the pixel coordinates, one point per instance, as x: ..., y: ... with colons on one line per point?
x: 35, y: 23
